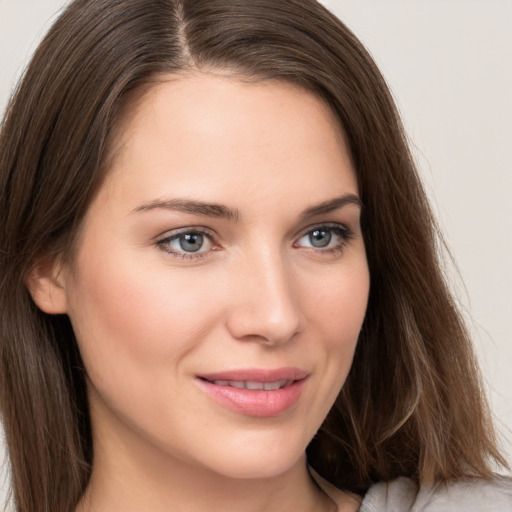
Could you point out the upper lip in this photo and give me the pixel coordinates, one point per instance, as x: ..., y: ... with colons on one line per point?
x: 257, y: 374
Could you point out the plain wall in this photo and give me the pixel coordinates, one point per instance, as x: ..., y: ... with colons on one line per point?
x: 448, y: 63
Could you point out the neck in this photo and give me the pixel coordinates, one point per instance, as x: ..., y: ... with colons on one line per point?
x: 127, y: 488
x: 130, y: 477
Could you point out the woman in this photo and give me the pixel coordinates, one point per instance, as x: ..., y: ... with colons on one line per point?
x: 220, y: 285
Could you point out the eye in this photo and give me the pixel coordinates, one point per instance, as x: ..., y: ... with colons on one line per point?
x: 319, y: 237
x: 325, y: 237
x: 187, y: 244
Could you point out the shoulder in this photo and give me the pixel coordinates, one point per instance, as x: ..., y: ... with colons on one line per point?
x: 403, y: 495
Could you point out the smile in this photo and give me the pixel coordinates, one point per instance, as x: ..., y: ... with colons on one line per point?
x: 254, y: 385
x: 256, y: 393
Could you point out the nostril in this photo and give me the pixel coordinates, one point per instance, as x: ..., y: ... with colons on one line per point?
x: 264, y: 308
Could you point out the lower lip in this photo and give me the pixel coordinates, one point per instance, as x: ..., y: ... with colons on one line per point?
x: 256, y: 403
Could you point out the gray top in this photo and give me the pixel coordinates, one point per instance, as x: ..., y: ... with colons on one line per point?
x: 402, y: 495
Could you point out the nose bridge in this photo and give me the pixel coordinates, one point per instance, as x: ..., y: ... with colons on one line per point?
x: 266, y: 307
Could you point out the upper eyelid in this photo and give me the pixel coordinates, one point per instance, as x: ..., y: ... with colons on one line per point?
x: 327, y: 225
x: 214, y: 236
x: 345, y: 236
x: 163, y: 242
x: 171, y: 233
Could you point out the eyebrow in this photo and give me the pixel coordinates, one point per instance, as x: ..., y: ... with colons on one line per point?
x: 191, y: 206
x: 332, y: 205
x: 195, y: 207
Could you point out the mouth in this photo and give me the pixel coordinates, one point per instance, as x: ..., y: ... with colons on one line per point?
x: 255, y: 392
x: 253, y: 385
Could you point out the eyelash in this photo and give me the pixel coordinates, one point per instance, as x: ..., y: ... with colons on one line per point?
x: 344, y: 233
x: 164, y: 244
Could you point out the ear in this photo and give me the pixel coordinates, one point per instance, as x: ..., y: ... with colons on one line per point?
x: 46, y: 284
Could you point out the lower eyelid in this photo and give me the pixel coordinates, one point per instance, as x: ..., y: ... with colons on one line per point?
x: 164, y: 243
x: 343, y: 232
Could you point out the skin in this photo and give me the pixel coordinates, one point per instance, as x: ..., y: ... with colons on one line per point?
x: 149, y: 317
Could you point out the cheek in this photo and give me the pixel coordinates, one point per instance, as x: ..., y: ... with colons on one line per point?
x: 127, y: 316
x: 338, y: 304
x: 337, y: 310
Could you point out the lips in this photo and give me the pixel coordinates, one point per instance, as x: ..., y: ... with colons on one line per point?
x: 255, y: 392
x: 253, y: 384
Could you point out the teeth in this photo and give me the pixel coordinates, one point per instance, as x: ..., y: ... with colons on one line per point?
x: 237, y: 384
x: 277, y: 385
x: 254, y: 385
x: 250, y: 384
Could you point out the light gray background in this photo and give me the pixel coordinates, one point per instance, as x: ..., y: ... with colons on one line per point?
x: 448, y: 63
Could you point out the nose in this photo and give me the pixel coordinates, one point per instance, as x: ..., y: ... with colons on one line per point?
x: 265, y: 307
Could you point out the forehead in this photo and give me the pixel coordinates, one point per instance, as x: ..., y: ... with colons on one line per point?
x: 188, y: 130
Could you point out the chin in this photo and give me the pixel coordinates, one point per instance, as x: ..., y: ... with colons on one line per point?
x: 260, y: 469
x: 257, y: 460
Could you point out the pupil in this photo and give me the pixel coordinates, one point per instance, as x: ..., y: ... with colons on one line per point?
x: 320, y: 238
x: 191, y: 242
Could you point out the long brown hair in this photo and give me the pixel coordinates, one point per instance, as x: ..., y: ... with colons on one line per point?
x: 412, y: 404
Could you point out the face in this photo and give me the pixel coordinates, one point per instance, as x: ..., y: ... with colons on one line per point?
x: 220, y: 280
